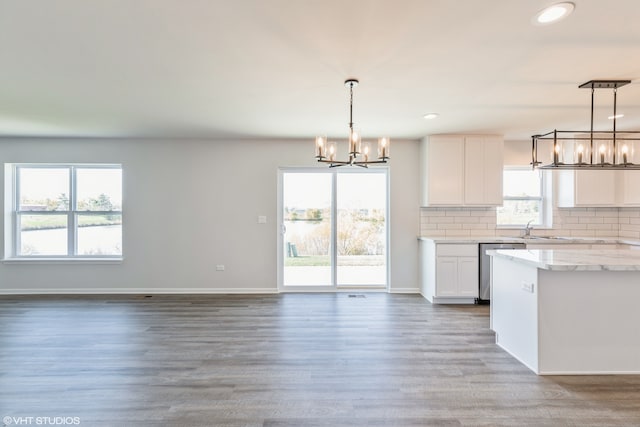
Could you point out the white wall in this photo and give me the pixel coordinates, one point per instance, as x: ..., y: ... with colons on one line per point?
x: 517, y: 153
x: 190, y: 204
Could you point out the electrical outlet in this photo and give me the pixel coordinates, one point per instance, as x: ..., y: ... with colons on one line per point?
x: 220, y: 267
x: 527, y: 287
x: 262, y: 219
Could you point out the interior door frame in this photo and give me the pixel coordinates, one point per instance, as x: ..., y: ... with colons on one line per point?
x: 333, y: 287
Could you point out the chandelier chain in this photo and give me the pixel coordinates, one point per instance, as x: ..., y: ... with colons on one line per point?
x: 351, y: 106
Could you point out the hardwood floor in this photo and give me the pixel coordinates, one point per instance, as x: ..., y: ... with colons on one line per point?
x: 281, y: 360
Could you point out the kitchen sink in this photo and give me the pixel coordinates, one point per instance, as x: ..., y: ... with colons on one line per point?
x: 546, y: 238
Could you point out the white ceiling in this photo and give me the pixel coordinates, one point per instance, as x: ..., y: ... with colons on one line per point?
x: 275, y: 68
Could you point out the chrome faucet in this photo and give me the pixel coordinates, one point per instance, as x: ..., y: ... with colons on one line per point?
x: 527, y: 229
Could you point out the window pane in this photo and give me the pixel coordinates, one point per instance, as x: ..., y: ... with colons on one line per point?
x: 43, y: 189
x: 516, y: 212
x: 43, y: 234
x: 361, y: 231
x: 99, y: 189
x: 99, y: 235
x: 307, y: 220
x: 521, y: 183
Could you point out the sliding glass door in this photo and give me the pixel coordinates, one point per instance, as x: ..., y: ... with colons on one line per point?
x: 334, y: 229
x: 306, y: 212
x: 361, y: 229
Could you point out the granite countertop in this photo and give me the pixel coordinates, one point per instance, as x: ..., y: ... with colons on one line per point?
x: 532, y: 240
x: 574, y: 260
x: 473, y: 239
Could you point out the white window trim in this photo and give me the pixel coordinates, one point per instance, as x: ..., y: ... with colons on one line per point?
x: 12, y: 232
x: 544, y: 198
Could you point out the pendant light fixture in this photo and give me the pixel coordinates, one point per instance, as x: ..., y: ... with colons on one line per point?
x: 594, y: 150
x: 359, y: 155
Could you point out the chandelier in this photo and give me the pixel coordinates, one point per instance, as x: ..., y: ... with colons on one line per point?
x: 359, y: 154
x: 593, y: 150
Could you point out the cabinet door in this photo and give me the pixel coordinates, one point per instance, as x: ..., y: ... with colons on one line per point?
x: 631, y: 186
x: 444, y: 163
x: 468, y: 277
x: 493, y: 171
x: 446, y: 276
x: 483, y: 166
x: 474, y: 177
x: 595, y: 188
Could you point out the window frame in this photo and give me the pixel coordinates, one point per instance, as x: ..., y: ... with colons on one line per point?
x: 543, y: 199
x: 72, y: 213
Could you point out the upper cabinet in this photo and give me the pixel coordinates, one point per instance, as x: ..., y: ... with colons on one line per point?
x: 459, y: 170
x: 483, y: 170
x: 442, y: 170
x: 631, y: 188
x: 585, y: 188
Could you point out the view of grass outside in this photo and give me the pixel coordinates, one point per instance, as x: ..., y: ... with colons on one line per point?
x: 51, y: 222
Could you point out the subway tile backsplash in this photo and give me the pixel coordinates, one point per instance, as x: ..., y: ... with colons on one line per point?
x: 575, y: 222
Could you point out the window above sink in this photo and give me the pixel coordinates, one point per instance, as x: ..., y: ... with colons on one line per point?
x: 526, y: 199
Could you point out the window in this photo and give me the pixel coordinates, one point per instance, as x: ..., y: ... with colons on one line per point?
x: 524, y: 198
x: 67, y: 211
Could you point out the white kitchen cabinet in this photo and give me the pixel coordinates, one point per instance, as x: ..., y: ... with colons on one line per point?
x: 449, y: 272
x: 446, y: 276
x: 630, y: 188
x: 457, y: 276
x: 442, y: 170
x: 584, y: 188
x: 468, y: 276
x: 462, y: 170
x: 483, y: 170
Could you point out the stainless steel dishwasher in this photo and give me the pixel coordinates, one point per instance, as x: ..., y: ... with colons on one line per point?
x: 485, y: 267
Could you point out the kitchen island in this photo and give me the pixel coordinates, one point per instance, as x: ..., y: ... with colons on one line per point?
x: 568, y: 311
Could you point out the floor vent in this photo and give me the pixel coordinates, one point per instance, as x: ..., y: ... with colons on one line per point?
x: 357, y: 296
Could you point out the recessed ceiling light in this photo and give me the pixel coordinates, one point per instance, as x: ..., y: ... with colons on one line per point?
x: 554, y: 13
x: 430, y: 116
x: 617, y: 116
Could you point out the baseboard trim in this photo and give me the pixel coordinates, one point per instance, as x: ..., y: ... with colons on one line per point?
x: 404, y: 291
x: 138, y: 291
x: 453, y: 300
x: 156, y: 291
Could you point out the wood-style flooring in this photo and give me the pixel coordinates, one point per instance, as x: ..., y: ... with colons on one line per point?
x: 295, y: 360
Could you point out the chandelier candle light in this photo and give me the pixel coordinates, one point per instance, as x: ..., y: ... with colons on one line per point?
x: 599, y: 150
x: 326, y: 151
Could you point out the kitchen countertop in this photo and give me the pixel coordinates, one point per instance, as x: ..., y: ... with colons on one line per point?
x: 532, y: 240
x: 574, y: 260
x: 473, y: 239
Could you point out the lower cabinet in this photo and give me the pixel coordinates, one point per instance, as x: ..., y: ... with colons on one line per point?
x: 449, y: 272
x: 457, y: 276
